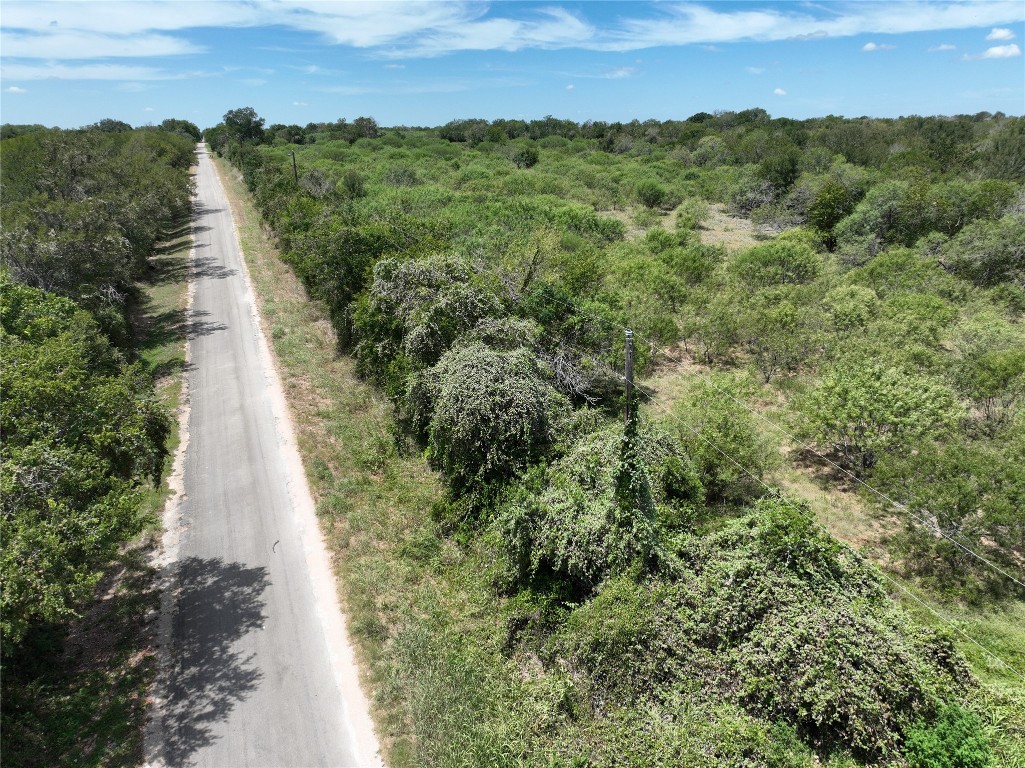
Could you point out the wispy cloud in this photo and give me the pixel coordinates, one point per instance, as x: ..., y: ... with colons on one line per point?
x: 688, y: 23
x: 943, y: 47
x: 78, y: 44
x: 619, y: 73
x: 48, y: 31
x: 300, y: 104
x: 56, y: 71
x: 872, y: 47
x: 754, y: 70
x: 570, y: 87
x: 15, y: 89
x: 999, y: 33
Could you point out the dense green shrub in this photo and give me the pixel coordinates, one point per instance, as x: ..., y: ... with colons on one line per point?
x: 487, y: 414
x: 862, y: 408
x: 777, y: 263
x: 82, y: 432
x: 651, y: 193
x: 954, y: 740
x: 719, y: 433
x: 775, y: 616
x: 600, y: 509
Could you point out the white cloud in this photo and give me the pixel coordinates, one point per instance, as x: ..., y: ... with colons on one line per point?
x: 779, y: 92
x: 15, y: 89
x: 1009, y: 51
x: 300, y: 104
x: 253, y: 82
x: 570, y: 87
x: 943, y: 47
x: 1001, y: 52
x: 999, y: 33
x: 870, y: 47
x: 394, y: 66
x: 147, y: 109
x: 754, y: 70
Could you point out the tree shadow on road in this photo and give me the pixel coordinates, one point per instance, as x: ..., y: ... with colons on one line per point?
x: 215, y: 605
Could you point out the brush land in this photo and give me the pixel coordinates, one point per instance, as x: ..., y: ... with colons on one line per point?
x: 827, y: 320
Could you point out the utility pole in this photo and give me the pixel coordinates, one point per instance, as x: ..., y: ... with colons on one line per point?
x: 629, y: 374
x: 295, y: 168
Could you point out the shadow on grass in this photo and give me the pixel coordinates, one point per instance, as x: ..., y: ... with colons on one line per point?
x: 216, y: 604
x: 74, y: 693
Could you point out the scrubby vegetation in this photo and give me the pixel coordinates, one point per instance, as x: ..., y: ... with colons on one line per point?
x: 85, y: 434
x: 656, y: 602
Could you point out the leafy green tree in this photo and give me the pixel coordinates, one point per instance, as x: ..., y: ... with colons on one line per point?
x: 109, y: 125
x: 526, y: 156
x: 965, y: 489
x: 183, y: 127
x: 1004, y: 158
x: 995, y: 381
x: 244, y: 125
x: 365, y: 128
x: 861, y: 409
x: 832, y: 202
x: 778, y: 331
x: 988, y: 252
x: 82, y: 432
x: 779, y: 167
x: 850, y: 308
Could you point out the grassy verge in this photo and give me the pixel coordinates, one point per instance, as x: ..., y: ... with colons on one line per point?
x: 76, y: 694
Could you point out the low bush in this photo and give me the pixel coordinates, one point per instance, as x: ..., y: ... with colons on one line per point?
x: 487, y: 414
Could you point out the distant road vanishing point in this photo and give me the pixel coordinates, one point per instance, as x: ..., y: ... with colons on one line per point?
x: 256, y: 666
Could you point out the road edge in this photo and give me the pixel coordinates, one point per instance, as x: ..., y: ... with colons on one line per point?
x: 165, y: 557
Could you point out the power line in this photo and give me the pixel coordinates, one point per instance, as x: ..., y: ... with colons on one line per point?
x: 783, y: 499
x: 776, y: 493
x: 897, y: 505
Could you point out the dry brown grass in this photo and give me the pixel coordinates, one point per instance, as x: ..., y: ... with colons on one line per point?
x: 722, y: 228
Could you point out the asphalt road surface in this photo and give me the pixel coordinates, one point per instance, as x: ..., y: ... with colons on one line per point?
x: 257, y: 670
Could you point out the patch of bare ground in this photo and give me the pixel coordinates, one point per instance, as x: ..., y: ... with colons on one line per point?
x: 803, y: 475
x: 722, y: 228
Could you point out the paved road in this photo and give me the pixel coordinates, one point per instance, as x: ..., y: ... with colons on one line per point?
x: 258, y: 670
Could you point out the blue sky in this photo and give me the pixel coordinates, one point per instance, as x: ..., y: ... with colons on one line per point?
x: 429, y: 61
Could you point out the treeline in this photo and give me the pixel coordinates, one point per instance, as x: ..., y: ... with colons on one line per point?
x: 82, y: 429
x: 644, y: 576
